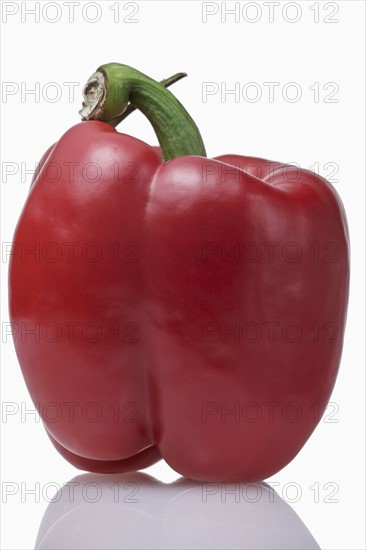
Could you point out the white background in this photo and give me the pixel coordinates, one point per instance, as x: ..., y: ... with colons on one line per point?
x: 171, y: 37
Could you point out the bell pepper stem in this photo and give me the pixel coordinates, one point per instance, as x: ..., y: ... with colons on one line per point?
x: 166, y: 82
x: 111, y: 89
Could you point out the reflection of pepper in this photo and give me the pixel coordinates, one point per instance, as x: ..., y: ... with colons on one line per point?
x: 137, y: 511
x: 192, y: 309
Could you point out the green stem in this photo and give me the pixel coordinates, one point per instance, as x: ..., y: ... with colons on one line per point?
x: 112, y: 87
x: 130, y: 109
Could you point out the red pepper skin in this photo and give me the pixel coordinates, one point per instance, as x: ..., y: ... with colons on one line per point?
x: 166, y: 384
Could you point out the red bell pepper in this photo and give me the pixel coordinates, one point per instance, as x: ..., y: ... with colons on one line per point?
x: 181, y: 307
